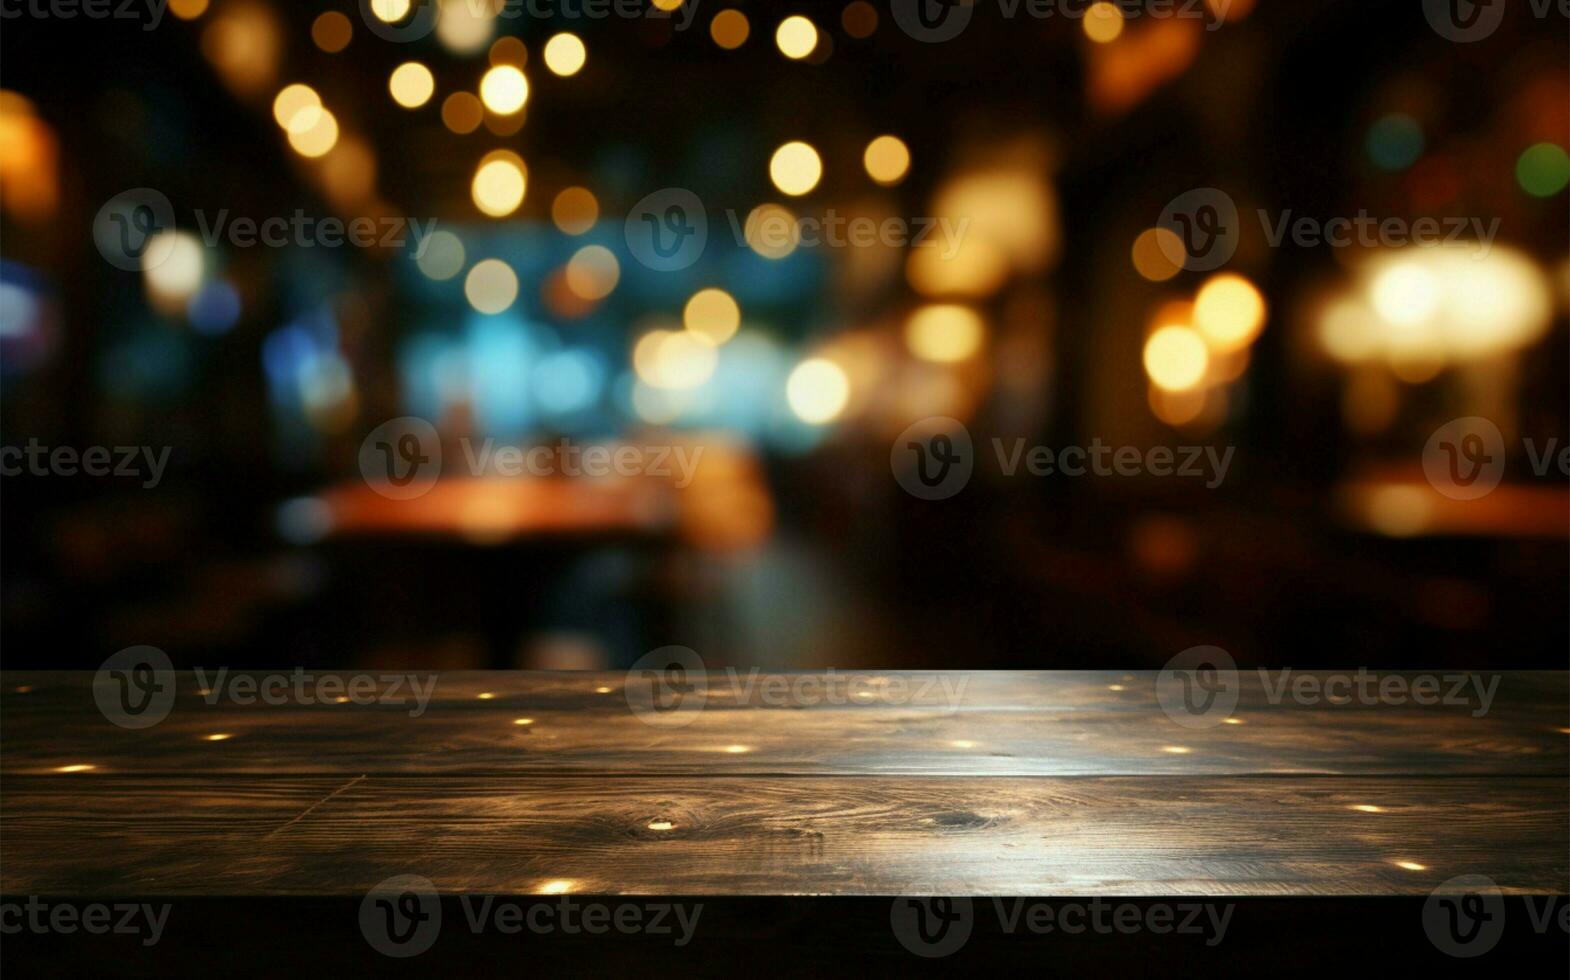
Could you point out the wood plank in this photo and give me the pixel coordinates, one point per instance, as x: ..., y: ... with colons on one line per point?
x: 161, y: 835
x: 981, y: 723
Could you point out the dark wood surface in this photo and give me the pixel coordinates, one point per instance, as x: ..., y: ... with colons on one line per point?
x: 1062, y: 783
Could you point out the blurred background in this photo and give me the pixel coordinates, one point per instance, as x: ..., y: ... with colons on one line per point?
x: 526, y: 318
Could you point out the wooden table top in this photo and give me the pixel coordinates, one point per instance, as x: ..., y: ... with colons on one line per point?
x: 983, y: 783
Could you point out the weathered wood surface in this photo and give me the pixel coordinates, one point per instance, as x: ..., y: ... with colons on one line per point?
x: 1063, y: 783
x: 782, y: 835
x: 981, y: 723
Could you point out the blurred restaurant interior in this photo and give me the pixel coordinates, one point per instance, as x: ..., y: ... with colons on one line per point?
x: 1037, y: 153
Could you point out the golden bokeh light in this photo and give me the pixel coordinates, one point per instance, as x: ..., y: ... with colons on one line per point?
x: 188, y: 9
x: 1398, y: 510
x: 795, y: 168
x: 173, y: 265
x: 971, y: 266
x: 796, y: 37
x: 887, y: 160
x: 296, y: 102
x: 443, y: 256
x: 713, y: 313
x: 390, y: 11
x: 348, y: 173
x: 674, y: 360
x: 411, y: 84
x: 771, y: 231
x: 508, y: 50
x: 491, y: 286
x: 1103, y: 22
x: 504, y: 90
x: 1176, y: 358
x: 499, y: 183
x: 1229, y: 312
x: 1151, y: 252
x: 592, y: 272
x: 332, y: 32
x: 944, y: 333
x: 1177, y: 408
x: 243, y: 41
x: 462, y: 112
x: 817, y: 390
x: 565, y: 54
x: 574, y: 210
x: 1406, y: 293
x: 669, y: 6
x: 859, y: 19
x: 317, y: 138
x: 466, y: 26
x: 730, y: 29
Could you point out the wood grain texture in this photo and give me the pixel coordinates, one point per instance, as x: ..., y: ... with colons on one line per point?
x: 978, y: 723
x: 783, y: 835
x: 1065, y: 783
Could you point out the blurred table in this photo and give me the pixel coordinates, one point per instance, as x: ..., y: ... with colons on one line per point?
x: 726, y: 505
x: 1003, y: 783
